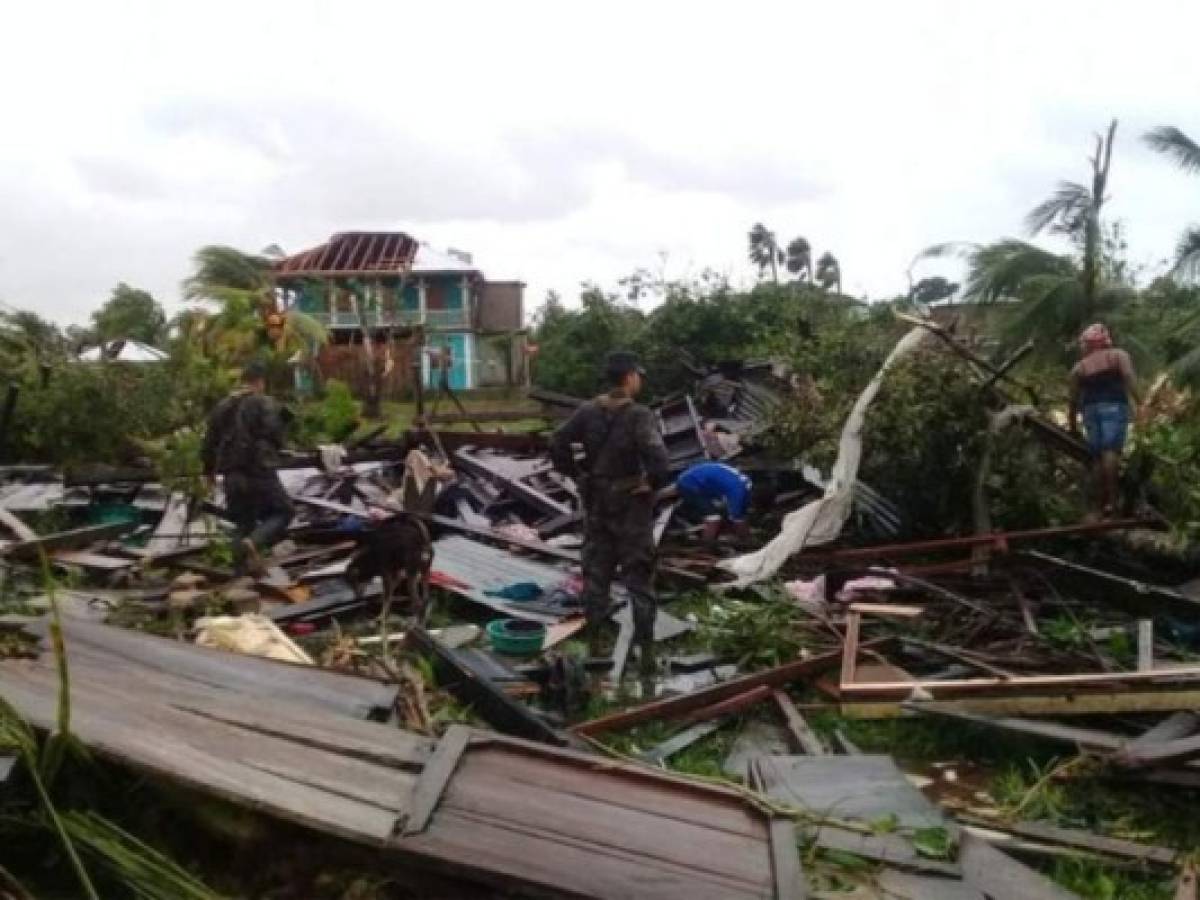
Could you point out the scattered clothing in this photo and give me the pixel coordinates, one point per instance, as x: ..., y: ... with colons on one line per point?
x: 522, y: 590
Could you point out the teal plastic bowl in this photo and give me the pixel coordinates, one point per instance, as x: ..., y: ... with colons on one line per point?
x: 516, y: 637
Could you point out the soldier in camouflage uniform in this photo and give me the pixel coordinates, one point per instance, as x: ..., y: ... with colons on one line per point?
x: 242, y: 443
x: 625, y: 463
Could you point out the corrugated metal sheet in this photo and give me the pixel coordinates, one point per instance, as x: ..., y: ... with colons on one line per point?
x: 485, y: 568
x: 353, y: 253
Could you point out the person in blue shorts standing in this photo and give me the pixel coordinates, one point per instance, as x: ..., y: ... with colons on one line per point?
x: 1103, y: 387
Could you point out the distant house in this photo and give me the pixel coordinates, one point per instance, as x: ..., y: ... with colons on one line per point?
x: 411, y: 299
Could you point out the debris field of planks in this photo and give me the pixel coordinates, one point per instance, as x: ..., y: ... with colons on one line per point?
x: 1011, y: 632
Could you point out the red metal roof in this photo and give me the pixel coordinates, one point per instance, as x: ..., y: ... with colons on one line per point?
x: 353, y: 253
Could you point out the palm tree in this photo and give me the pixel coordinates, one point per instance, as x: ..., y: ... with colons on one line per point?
x: 240, y: 286
x: 799, y: 258
x: 1055, y: 294
x: 764, y: 251
x: 1170, y: 141
x: 829, y: 272
x: 1074, y: 210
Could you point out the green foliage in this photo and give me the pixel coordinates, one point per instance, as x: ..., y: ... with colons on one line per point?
x: 130, y: 313
x: 933, y: 843
x: 755, y: 634
x: 1094, y: 880
x: 100, y: 413
x: 697, y: 323
x: 1169, y: 452
x: 330, y: 420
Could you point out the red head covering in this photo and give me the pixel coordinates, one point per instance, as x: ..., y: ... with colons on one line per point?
x: 1095, y: 337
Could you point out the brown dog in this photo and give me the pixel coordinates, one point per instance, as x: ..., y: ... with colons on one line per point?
x: 398, y: 551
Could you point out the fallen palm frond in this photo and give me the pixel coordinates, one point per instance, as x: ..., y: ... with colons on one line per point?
x: 145, y: 872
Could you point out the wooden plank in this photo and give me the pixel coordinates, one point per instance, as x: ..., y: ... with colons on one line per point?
x: 1160, y: 754
x: 891, y: 610
x: 104, y: 646
x: 66, y: 540
x: 1037, y: 705
x: 88, y: 560
x: 729, y: 705
x: 802, y: 735
x: 225, y: 761
x: 435, y: 777
x: 1085, y: 840
x: 850, y: 648
x: 1173, y: 727
x: 1178, y: 674
x: 1089, y: 738
x: 538, y: 823
x: 896, y: 885
x: 1001, y: 877
x: 1185, y: 885
x: 489, y: 702
x: 20, y: 530
x: 1145, y: 645
x: 785, y: 861
x: 674, y: 707
x: 681, y: 740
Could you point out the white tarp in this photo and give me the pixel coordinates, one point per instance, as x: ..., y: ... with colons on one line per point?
x: 820, y: 521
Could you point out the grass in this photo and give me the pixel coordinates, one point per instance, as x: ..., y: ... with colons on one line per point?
x: 399, y: 415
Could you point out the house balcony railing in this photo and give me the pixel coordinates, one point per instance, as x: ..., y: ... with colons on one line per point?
x: 433, y: 318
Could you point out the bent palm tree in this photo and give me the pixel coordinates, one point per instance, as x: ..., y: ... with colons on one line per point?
x: 1170, y: 141
x: 764, y: 251
x: 799, y: 258
x: 240, y: 285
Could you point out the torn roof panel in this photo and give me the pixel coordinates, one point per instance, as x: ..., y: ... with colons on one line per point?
x: 353, y: 253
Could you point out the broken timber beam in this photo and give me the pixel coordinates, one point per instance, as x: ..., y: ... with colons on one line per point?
x: 799, y: 732
x: 67, y: 540
x: 677, y: 707
x: 899, y: 690
x: 492, y: 704
x: 1060, y: 704
x: 967, y: 542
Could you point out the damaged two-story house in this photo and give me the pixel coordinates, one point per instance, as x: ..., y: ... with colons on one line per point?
x: 411, y: 301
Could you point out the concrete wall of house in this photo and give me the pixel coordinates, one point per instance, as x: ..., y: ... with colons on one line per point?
x: 502, y: 306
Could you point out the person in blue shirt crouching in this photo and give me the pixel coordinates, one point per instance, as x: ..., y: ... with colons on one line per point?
x: 717, y: 493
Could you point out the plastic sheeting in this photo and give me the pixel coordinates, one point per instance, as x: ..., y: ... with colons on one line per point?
x: 820, y: 521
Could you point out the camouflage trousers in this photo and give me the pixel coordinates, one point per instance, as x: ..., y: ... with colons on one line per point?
x: 619, y: 535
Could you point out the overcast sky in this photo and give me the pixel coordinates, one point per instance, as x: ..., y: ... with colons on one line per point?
x: 564, y: 142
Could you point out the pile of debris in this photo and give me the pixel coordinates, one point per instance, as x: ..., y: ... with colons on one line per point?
x: 996, y: 630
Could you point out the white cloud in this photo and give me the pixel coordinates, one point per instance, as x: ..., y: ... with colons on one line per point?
x: 564, y: 143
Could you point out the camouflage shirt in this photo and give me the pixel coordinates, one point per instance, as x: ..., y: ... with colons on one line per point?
x: 621, y: 440
x: 245, y: 434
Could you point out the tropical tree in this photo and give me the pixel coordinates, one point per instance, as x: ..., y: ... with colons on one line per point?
x: 931, y: 290
x: 1170, y: 141
x: 764, y: 251
x: 247, y: 319
x: 799, y: 258
x: 1074, y: 210
x: 220, y: 272
x: 130, y: 313
x: 829, y: 272
x: 1055, y: 294
x: 28, y: 343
